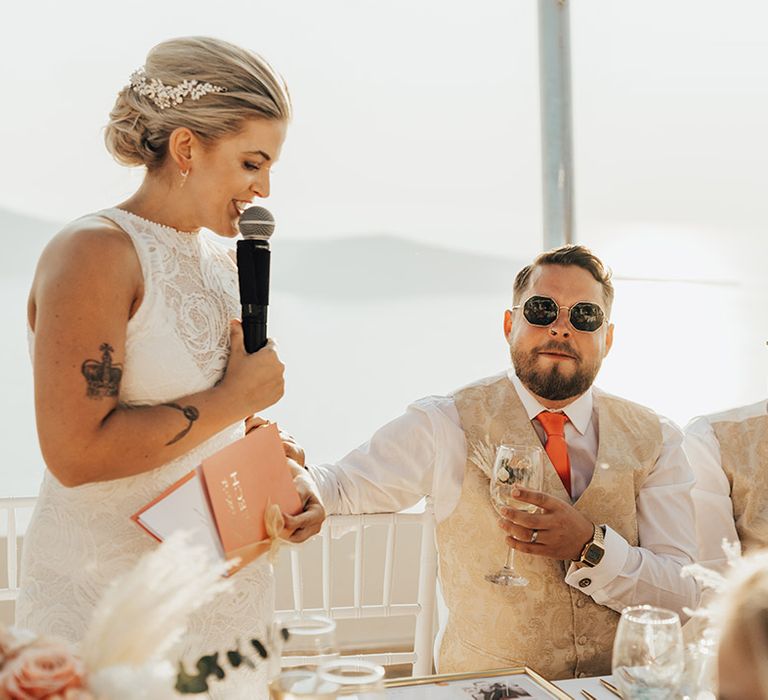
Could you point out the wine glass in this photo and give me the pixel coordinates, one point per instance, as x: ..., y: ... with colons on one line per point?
x: 648, y: 656
x: 515, y: 465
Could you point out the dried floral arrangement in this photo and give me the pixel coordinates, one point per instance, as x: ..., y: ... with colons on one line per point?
x: 150, y: 606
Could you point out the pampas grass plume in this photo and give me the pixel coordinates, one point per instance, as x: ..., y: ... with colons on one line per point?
x: 144, y: 613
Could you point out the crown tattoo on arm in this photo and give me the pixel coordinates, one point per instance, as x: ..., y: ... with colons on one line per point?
x: 102, y: 377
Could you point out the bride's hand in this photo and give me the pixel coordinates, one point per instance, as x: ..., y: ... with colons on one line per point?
x: 253, y: 381
x: 301, y: 527
x: 292, y: 449
x: 253, y: 422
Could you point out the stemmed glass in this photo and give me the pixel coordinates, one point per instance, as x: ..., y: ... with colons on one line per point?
x: 515, y: 465
x: 648, y: 656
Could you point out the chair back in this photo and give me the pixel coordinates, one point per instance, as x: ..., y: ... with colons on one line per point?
x: 9, y: 515
x: 423, y: 608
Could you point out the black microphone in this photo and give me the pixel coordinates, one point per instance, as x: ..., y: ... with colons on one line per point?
x: 256, y: 225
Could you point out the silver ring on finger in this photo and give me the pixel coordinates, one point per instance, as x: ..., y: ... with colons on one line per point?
x: 534, y: 535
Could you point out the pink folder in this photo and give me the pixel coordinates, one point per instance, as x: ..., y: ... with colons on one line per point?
x: 225, y: 499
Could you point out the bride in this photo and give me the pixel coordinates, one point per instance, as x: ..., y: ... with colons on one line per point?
x: 139, y: 369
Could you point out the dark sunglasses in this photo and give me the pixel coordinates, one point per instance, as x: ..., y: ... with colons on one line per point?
x: 584, y: 316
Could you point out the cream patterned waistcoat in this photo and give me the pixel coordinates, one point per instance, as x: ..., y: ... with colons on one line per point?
x: 744, y: 457
x: 547, y: 625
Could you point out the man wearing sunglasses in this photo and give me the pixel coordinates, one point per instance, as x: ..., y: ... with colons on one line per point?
x: 729, y: 455
x: 614, y: 522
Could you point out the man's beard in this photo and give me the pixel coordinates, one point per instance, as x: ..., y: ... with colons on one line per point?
x: 552, y: 384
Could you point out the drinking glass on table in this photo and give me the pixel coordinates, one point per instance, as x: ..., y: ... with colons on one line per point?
x: 515, y: 465
x: 648, y: 657
x: 700, y: 674
x: 305, y: 641
x: 301, y: 644
x: 352, y: 678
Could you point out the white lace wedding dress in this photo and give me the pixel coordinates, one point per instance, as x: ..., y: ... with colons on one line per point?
x: 81, y: 538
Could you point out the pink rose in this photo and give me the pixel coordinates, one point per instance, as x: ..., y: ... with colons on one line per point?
x: 46, y: 670
x: 12, y: 641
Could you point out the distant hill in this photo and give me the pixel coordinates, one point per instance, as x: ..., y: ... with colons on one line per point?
x: 351, y: 268
x: 384, y: 266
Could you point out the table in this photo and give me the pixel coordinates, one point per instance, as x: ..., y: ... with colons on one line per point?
x: 573, y: 687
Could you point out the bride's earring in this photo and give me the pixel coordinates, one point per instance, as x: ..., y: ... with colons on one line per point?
x: 184, y: 174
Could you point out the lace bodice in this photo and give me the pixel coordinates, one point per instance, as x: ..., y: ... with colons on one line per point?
x: 81, y: 538
x: 178, y: 341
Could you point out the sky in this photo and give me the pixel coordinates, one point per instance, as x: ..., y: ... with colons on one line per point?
x: 420, y: 118
x: 399, y: 109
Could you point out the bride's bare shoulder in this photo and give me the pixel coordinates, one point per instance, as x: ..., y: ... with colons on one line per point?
x: 89, y: 232
x: 90, y: 241
x: 87, y: 253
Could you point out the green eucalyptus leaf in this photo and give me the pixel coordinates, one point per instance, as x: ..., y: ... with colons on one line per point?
x: 259, y: 647
x: 187, y: 684
x: 209, y: 665
x: 235, y: 658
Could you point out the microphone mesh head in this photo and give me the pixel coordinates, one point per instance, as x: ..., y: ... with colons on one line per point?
x: 256, y: 223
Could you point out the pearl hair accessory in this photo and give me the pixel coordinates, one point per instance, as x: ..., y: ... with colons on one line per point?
x: 165, y: 96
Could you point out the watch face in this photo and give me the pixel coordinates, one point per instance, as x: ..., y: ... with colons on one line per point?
x: 594, y: 554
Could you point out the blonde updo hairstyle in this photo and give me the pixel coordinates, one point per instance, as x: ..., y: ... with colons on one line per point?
x: 138, y: 130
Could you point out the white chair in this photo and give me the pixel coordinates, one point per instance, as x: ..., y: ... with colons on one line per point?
x: 10, y: 506
x: 424, y: 607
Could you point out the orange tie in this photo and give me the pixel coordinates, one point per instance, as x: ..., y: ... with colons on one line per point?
x: 556, y: 449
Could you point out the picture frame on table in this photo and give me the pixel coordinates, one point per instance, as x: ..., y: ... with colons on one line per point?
x: 497, y: 684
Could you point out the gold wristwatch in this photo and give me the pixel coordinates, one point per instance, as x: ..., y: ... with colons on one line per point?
x: 594, y: 550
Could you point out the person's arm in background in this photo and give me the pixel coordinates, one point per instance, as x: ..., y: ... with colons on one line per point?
x: 711, y: 493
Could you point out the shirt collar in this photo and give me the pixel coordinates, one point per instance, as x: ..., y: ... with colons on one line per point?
x: 579, y: 411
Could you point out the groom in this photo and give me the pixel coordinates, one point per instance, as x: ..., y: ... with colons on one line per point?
x: 615, y: 523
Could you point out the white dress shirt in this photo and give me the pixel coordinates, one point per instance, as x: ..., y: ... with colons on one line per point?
x: 424, y: 453
x: 712, y: 491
